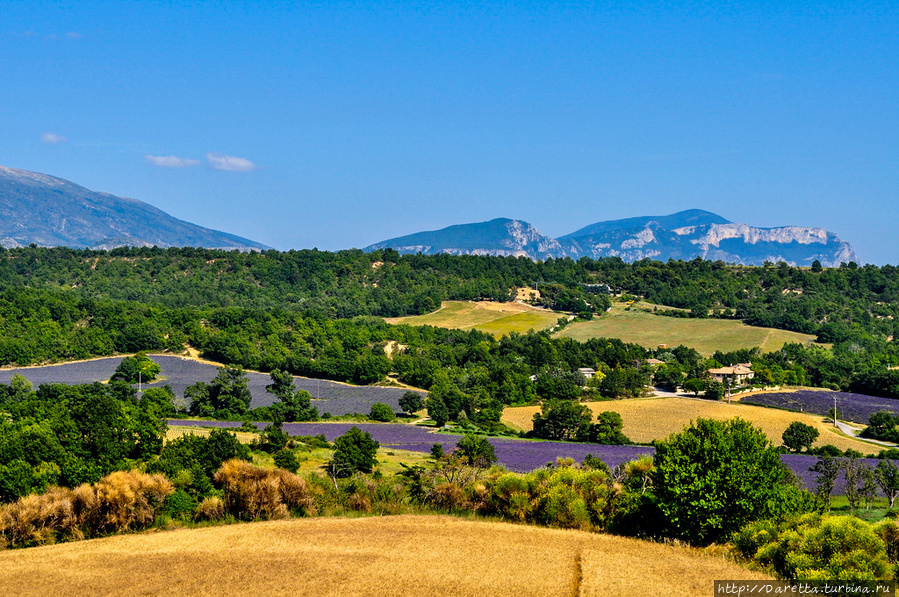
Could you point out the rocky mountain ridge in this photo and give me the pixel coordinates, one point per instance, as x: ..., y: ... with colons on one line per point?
x: 683, y: 235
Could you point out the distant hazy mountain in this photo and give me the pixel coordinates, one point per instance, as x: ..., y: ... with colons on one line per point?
x: 49, y: 211
x: 496, y: 237
x: 684, y: 235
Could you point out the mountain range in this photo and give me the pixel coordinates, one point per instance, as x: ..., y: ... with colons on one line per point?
x: 50, y: 211
x: 683, y: 235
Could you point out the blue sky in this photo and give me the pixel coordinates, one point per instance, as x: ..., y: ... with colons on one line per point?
x: 337, y: 125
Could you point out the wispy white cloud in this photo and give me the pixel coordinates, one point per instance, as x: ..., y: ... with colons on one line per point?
x: 171, y: 161
x: 52, y: 138
x: 230, y: 163
x: 73, y: 35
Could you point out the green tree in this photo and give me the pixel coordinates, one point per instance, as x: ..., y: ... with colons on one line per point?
x: 411, y: 402
x: 381, y: 412
x: 886, y: 473
x: 140, y: 367
x: 476, y: 451
x: 293, y: 404
x: 226, y: 396
x: 606, y: 430
x: 437, y: 410
x: 287, y: 460
x: 695, y: 385
x: 715, y: 390
x: 828, y: 469
x: 716, y: 476
x: 354, y: 451
x: 799, y: 436
x: 561, y: 420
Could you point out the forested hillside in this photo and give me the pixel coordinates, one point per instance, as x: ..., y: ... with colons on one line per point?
x: 310, y: 312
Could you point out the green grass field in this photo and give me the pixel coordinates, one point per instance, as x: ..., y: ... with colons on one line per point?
x: 705, y: 335
x: 494, y: 318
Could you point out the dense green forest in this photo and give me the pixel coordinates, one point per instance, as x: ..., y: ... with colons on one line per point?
x: 318, y: 314
x: 836, y: 303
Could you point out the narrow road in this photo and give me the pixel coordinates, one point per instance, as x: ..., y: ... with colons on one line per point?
x: 854, y: 431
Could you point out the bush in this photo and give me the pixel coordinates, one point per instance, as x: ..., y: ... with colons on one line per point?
x: 211, y: 508
x: 354, y: 451
x: 252, y: 492
x: 816, y: 548
x: 476, y: 451
x: 287, y: 460
x: 121, y: 501
x: 381, y: 412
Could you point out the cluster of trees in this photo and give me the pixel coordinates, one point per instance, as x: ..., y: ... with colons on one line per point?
x: 68, y: 435
x: 569, y: 420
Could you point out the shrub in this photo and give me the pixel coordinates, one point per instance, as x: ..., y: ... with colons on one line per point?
x: 815, y: 548
x: 381, y: 412
x: 127, y: 500
x: 180, y: 505
x: 252, y: 492
x: 287, y: 460
x: 211, y: 508
x: 40, y: 519
x: 121, y: 501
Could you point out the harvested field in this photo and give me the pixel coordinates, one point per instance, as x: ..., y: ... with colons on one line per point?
x: 179, y: 372
x: 488, y: 316
x: 647, y: 419
x: 705, y: 335
x: 401, y: 555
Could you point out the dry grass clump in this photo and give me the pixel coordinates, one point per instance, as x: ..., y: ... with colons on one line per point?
x: 211, y: 508
x: 253, y: 492
x: 432, y: 556
x: 121, y: 501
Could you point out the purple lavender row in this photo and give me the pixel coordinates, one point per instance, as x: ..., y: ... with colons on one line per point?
x: 327, y: 396
x: 851, y: 407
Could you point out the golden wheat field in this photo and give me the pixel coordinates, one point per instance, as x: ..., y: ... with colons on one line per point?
x: 488, y: 316
x: 400, y: 555
x: 646, y: 419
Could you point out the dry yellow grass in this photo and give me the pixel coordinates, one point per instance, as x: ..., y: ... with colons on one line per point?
x: 401, y: 555
x: 487, y: 316
x: 175, y: 431
x: 646, y: 419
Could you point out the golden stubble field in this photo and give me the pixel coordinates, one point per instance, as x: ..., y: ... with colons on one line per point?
x: 431, y: 556
x: 487, y: 316
x: 646, y: 419
x: 705, y: 335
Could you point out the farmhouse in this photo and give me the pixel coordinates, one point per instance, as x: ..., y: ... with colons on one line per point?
x: 587, y: 372
x: 738, y: 374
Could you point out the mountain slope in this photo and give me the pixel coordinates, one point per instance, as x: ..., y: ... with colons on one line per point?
x: 496, y: 237
x: 50, y: 211
x: 690, y: 217
x: 683, y: 235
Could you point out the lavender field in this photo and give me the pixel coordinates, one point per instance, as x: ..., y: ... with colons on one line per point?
x: 851, y: 407
x: 520, y: 456
x: 178, y: 372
